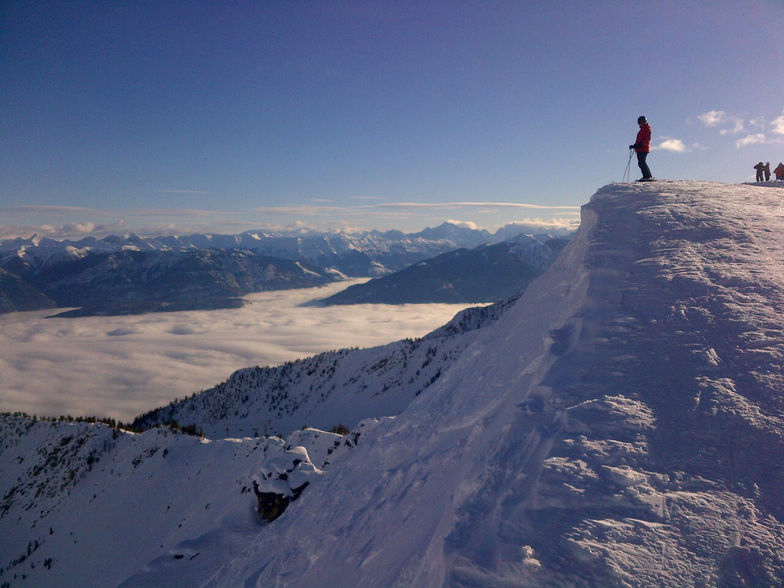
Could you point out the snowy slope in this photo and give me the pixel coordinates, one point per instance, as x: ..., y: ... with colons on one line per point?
x: 620, y: 424
x: 330, y: 389
x: 84, y: 505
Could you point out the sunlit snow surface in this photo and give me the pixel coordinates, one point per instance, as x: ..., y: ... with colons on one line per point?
x: 620, y: 425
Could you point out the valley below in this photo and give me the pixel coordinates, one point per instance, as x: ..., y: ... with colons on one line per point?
x: 120, y: 366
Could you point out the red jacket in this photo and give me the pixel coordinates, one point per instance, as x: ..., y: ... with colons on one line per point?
x: 643, y: 142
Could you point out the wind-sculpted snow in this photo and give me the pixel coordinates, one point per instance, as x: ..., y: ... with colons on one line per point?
x: 615, y: 427
x: 620, y: 424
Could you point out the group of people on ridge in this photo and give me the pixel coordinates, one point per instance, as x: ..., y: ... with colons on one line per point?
x: 642, y: 146
x: 764, y: 170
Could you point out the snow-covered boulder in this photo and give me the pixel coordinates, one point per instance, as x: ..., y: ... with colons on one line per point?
x: 286, y: 472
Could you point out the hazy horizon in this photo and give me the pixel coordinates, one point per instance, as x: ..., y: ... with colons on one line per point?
x: 569, y: 222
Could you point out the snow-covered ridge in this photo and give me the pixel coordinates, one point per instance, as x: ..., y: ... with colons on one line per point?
x: 327, y: 390
x: 620, y: 424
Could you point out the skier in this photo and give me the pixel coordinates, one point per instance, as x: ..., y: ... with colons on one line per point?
x: 779, y: 171
x: 642, y: 146
x: 766, y: 169
x: 759, y: 167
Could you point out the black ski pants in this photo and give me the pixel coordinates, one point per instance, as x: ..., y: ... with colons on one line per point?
x: 646, y: 171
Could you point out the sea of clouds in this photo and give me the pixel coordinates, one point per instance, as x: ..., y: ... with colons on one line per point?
x: 122, y: 366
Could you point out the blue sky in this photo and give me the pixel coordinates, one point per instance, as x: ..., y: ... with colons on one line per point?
x: 163, y: 117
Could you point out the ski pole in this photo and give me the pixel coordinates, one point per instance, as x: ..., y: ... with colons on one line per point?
x: 628, y: 165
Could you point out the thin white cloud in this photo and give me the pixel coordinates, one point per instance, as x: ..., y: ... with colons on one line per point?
x: 307, y: 209
x: 129, y: 212
x: 466, y: 224
x: 753, y: 139
x: 753, y: 129
x: 713, y: 118
x: 674, y: 145
x: 390, y: 213
x: 174, y: 212
x: 302, y: 209
x: 85, y: 227
x: 732, y: 124
x: 777, y: 126
x: 44, y: 208
x: 469, y: 204
x: 558, y: 223
x: 738, y: 126
x: 69, y: 230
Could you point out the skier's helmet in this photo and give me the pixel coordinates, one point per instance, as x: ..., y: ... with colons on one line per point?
x: 641, y: 120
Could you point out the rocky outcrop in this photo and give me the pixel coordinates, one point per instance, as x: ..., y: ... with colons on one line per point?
x: 282, y: 481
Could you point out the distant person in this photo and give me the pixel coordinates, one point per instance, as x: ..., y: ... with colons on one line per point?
x: 779, y: 171
x: 760, y: 167
x: 766, y: 169
x: 642, y: 146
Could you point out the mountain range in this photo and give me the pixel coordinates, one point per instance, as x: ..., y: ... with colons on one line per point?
x: 132, y: 274
x: 618, y: 423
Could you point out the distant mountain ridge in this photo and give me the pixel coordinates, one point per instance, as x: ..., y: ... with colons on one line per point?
x: 132, y: 274
x: 289, y: 245
x: 487, y: 273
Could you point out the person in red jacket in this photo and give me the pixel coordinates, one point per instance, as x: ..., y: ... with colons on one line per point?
x: 642, y: 146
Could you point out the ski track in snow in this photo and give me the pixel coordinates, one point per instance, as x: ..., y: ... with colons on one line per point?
x: 621, y: 424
